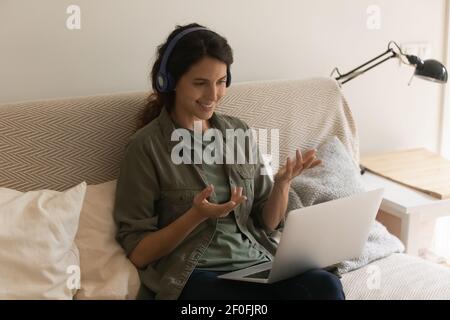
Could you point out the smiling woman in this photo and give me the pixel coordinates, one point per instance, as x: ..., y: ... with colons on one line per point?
x: 183, y: 224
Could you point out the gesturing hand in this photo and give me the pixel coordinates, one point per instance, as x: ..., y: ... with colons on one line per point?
x: 293, y: 168
x: 213, y: 210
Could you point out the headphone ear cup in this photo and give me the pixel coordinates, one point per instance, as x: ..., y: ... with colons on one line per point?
x: 161, y: 82
x: 228, y: 77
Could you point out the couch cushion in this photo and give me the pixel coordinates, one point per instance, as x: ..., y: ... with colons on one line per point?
x: 106, y: 272
x: 38, y: 257
x: 84, y: 138
x: 306, y: 112
x: 54, y: 144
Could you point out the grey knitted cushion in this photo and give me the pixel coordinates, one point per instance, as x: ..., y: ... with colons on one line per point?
x: 335, y: 178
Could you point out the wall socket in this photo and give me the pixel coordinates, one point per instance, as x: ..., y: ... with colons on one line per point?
x: 420, y: 49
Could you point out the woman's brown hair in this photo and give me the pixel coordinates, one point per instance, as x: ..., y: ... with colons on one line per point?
x: 189, y: 50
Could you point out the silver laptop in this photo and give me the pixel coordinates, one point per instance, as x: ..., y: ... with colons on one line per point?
x: 318, y: 236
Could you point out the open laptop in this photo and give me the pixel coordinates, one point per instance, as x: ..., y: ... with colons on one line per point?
x: 318, y: 236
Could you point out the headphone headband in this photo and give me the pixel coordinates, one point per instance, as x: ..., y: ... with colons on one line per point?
x: 172, y: 44
x: 164, y: 80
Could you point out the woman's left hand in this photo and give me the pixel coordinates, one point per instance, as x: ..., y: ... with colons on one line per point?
x: 293, y: 168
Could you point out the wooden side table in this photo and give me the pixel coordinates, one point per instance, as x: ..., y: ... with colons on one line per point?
x: 403, y: 210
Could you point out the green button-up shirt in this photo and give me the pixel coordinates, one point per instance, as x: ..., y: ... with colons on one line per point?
x: 153, y: 191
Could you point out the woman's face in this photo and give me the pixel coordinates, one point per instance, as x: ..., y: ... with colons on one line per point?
x: 199, y: 91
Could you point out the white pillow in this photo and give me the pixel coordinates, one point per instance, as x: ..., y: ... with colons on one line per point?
x: 106, y: 272
x: 38, y: 257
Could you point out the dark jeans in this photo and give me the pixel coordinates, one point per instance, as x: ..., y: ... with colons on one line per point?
x: 315, y: 284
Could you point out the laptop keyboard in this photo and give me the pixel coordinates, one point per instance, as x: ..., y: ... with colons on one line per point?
x: 259, y: 275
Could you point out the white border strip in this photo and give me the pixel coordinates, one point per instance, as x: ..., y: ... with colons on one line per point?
x: 444, y: 125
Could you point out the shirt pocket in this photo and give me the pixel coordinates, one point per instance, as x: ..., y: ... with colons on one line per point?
x: 173, y: 203
x: 246, y: 173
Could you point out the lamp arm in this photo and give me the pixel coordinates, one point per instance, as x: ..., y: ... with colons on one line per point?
x: 343, y: 78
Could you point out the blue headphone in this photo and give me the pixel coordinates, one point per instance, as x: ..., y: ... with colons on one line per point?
x: 164, y: 81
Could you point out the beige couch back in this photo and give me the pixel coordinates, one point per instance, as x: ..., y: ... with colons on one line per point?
x: 56, y: 144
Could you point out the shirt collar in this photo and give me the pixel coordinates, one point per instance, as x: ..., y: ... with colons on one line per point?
x: 167, y: 126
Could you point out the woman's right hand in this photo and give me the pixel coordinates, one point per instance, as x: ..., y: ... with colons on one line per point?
x: 213, y: 210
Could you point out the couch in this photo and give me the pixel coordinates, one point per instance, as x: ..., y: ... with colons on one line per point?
x: 77, y: 144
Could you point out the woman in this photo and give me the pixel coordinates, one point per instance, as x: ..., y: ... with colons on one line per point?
x: 182, y: 224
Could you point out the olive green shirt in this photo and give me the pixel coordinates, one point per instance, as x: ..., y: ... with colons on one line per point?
x: 153, y: 191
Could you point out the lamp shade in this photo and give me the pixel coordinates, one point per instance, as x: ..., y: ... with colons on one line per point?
x: 431, y: 70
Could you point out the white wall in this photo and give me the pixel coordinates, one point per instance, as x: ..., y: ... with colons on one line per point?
x: 272, y: 39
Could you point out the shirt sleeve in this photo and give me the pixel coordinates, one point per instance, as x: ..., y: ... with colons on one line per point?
x: 137, y: 190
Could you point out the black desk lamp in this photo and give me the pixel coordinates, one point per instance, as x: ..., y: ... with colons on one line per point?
x: 430, y: 69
